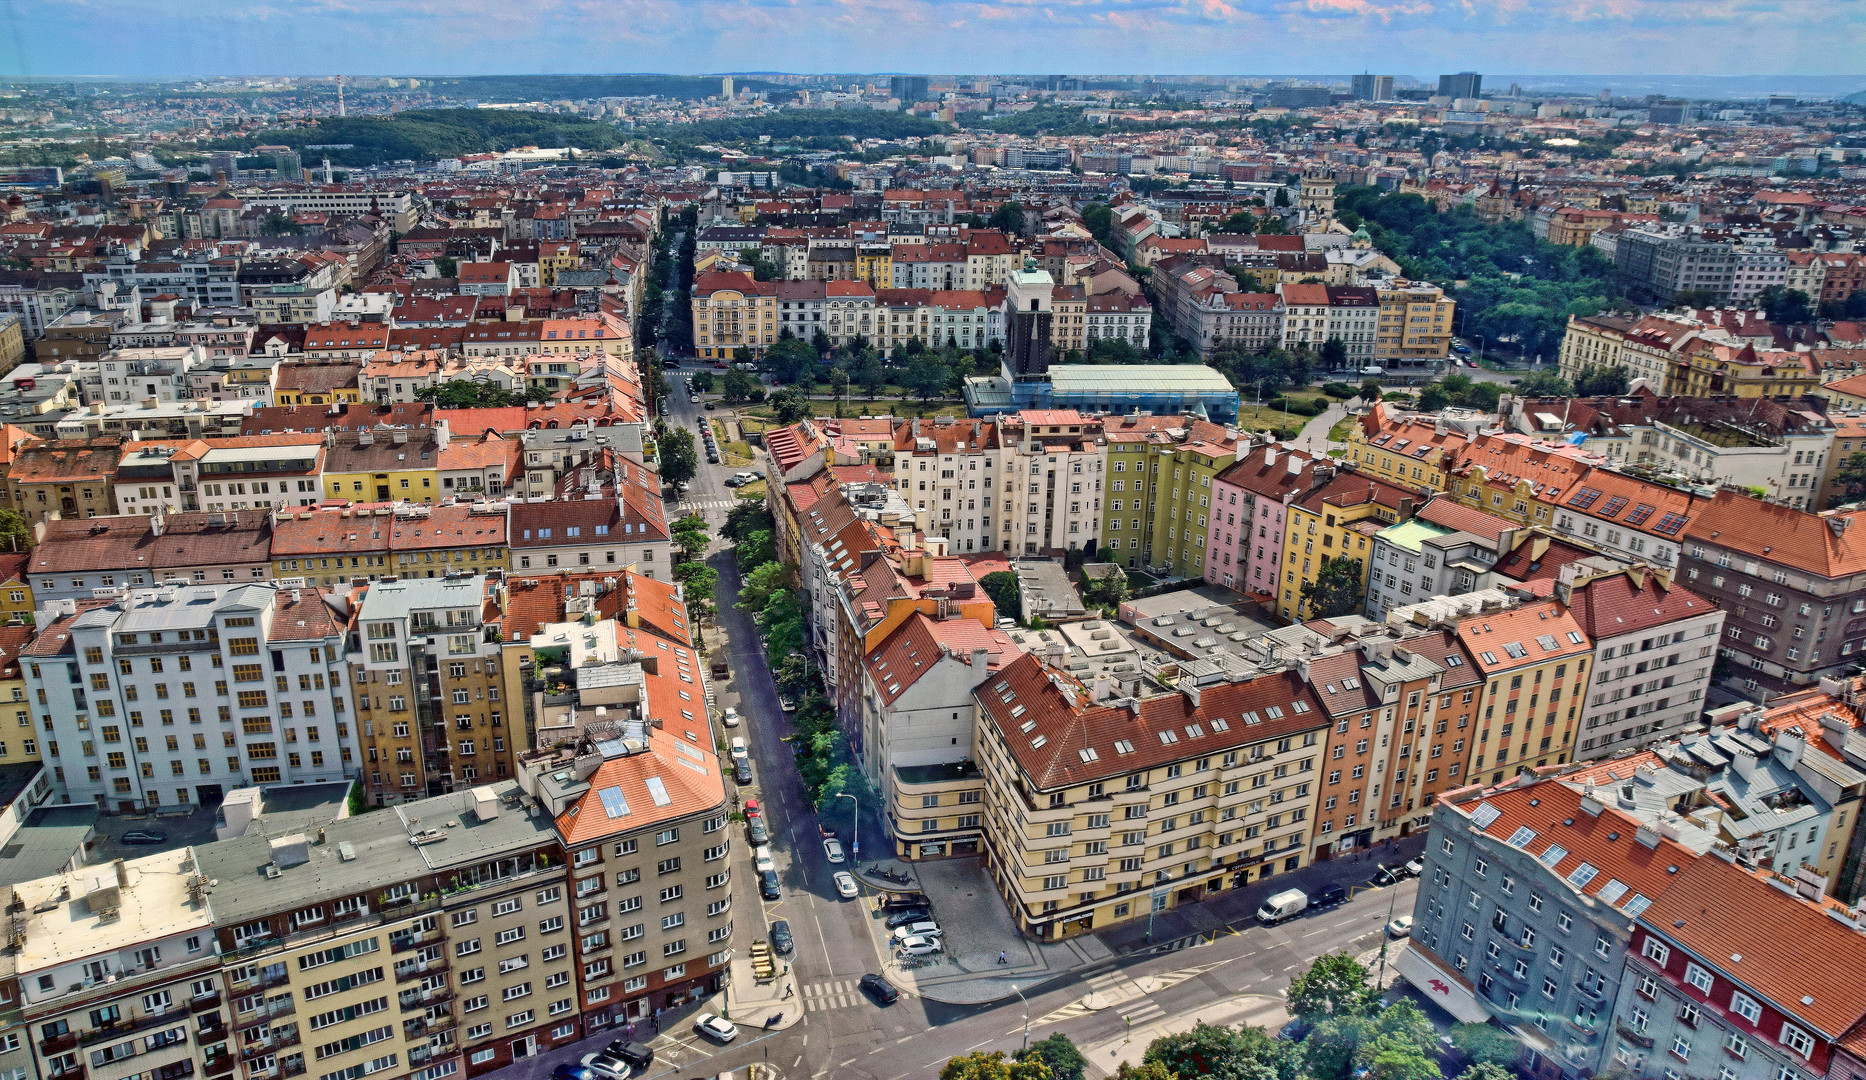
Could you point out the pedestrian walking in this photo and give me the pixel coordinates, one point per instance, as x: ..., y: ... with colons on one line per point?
x: 788, y: 987
x: 1001, y: 956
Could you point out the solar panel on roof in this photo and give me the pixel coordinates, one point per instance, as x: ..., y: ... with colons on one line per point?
x: 1585, y: 499
x: 1614, y: 506
x: 1669, y: 525
x: 1640, y: 514
x: 613, y: 803
x: 1485, y: 815
x: 1555, y: 853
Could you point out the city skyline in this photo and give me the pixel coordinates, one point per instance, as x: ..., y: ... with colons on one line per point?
x: 144, y: 39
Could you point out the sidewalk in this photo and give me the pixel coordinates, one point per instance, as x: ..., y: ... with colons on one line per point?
x: 758, y: 1005
x: 1260, y: 1010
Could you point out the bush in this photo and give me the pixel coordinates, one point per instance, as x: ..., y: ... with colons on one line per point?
x: 1341, y: 390
x: 1301, y: 406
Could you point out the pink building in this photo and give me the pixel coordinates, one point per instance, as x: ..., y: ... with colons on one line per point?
x: 1248, y: 503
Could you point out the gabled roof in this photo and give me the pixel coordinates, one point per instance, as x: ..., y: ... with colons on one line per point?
x: 1633, y: 600
x: 1830, y: 544
x: 1532, y: 634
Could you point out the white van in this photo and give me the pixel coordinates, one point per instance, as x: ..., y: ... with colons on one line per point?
x: 1280, y: 906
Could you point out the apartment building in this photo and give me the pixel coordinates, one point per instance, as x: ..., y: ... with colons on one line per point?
x: 65, y: 478
x: 1337, y: 519
x: 628, y: 529
x: 957, y: 474
x: 118, y: 977
x: 1413, y: 451
x: 430, y: 696
x: 1416, y: 320
x: 1099, y: 811
x: 1654, y: 644
x: 1053, y: 481
x: 72, y: 559
x: 1792, y: 585
x: 1250, y: 498
x: 640, y: 806
x: 1661, y: 265
x: 1743, y: 970
x: 398, y: 941
x: 337, y: 544
x: 1526, y: 909
x: 734, y: 317
x: 174, y: 695
x: 1305, y: 315
x: 1160, y: 472
x: 1447, y: 549
x: 1534, y: 661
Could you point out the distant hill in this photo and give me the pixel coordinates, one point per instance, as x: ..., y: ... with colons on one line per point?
x: 428, y: 134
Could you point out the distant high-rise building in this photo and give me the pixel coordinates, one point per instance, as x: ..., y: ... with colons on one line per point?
x: 290, y: 166
x: 1465, y: 84
x: 222, y: 166
x: 1373, y: 88
x: 908, y: 89
x: 725, y: 88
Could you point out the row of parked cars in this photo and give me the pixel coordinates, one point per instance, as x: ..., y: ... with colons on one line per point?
x: 1289, y: 903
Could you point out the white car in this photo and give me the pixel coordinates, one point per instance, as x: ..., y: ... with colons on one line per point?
x: 715, y: 1027
x: 1400, y: 927
x: 845, y: 885
x: 693, y: 399
x: 738, y: 748
x: 761, y: 858
x: 832, y: 849
x: 731, y: 718
x: 604, y: 1065
x: 919, y: 929
x: 918, y: 946
x: 746, y: 477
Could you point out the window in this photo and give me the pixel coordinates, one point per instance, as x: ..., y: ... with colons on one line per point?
x: 1681, y: 1047
x: 1797, y: 1040
x: 1745, y: 1006
x: 1698, y: 978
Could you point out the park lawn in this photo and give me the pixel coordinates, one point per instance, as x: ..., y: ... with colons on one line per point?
x: 753, y: 490
x: 1264, y: 418
x: 730, y: 453
x: 1339, y: 433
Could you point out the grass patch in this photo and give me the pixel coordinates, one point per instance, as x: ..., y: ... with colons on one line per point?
x: 1339, y: 433
x: 753, y: 490
x: 1264, y: 418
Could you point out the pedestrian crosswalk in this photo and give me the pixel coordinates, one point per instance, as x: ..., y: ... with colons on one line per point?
x: 1123, y: 995
x: 839, y: 994
x: 688, y: 506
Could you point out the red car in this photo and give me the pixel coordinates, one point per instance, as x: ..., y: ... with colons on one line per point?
x: 751, y: 808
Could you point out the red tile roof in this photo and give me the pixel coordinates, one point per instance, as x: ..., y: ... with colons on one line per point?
x: 1831, y: 544
x: 1635, y: 599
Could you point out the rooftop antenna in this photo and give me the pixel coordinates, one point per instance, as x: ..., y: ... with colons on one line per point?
x: 340, y: 109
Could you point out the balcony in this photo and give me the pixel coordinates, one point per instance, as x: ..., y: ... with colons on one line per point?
x: 406, y: 971
x: 205, y: 1002
x: 58, y: 1044
x: 277, y: 1040
x: 76, y: 1072
x: 121, y: 1029
x: 212, y: 1033
x: 1597, y: 992
x: 263, y: 981
x: 417, y: 999
x: 1642, y: 1041
x: 410, y: 941
x: 220, y: 1065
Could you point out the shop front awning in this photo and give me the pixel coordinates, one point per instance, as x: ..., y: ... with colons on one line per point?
x: 1453, y: 993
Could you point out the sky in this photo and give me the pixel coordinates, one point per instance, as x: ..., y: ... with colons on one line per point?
x: 1505, y: 39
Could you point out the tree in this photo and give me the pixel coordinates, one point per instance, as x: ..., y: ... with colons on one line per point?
x: 1335, y: 985
x: 1334, y: 354
x: 1108, y: 590
x: 446, y: 266
x: 993, y: 1066
x: 870, y: 373
x: 1433, y: 397
x: 691, y: 535
x: 1336, y: 589
x: 1851, y: 478
x: 1002, y: 588
x: 1146, y: 1070
x: 790, y: 358
x: 926, y: 377
x: 1602, y: 382
x: 838, y: 380
x: 790, y: 406
x: 737, y: 385
x: 16, y: 534
x: 1486, y: 1045
x: 1271, y: 225
x: 763, y: 269
x: 1008, y: 218
x: 1224, y: 1053
x: 819, y: 341
x: 1694, y: 298
x: 1485, y: 1070
x: 1370, y: 389
x: 1544, y: 383
x: 768, y: 580
x: 1388, y: 1058
x: 1784, y: 305
x: 1329, y: 1049
x: 702, y: 382
x: 699, y: 581
x: 1059, y: 1054
x: 742, y: 521
x: 679, y: 461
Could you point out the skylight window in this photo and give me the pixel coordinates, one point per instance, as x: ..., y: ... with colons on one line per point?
x: 1122, y: 746
x: 1168, y: 738
x: 1522, y: 836
x: 1485, y: 815
x: 1583, y: 874
x: 613, y: 803
x: 1555, y: 854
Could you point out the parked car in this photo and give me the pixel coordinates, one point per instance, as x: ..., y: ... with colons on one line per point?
x: 1388, y: 875
x: 742, y: 770
x: 845, y: 885
x: 1415, y: 866
x: 901, y: 901
x: 917, y: 946
x: 730, y: 718
x: 609, y: 1068
x: 693, y: 399
x: 138, y: 836
x: 768, y: 885
x: 711, y: 405
x: 832, y: 849
x: 907, y: 917
x: 1400, y: 927
x: 640, y: 1055
x: 739, y: 749
x: 880, y: 989
x: 781, y: 941
x: 568, y: 1071
x: 757, y: 831
x: 919, y: 929
x: 1283, y: 905
x: 1330, y: 896
x: 715, y: 1027
x: 761, y: 859
x: 786, y: 704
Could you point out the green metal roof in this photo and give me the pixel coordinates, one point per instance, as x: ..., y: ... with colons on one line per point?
x: 1410, y: 534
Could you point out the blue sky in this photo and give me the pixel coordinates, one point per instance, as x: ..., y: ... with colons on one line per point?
x: 1503, y: 38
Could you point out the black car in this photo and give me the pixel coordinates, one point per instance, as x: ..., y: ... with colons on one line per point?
x: 1388, y: 875
x: 911, y: 915
x: 757, y: 830
x: 640, y: 1055
x: 1333, y: 894
x: 880, y: 989
x: 742, y: 770
x: 768, y: 885
x: 140, y: 837
x: 780, y: 938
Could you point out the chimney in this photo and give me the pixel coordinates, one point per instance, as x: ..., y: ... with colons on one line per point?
x: 1269, y: 456
x: 1294, y: 466
x: 980, y: 659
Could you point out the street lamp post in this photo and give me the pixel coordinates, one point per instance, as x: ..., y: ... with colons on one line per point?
x: 1385, y: 936
x: 1026, y: 1005
x: 855, y: 829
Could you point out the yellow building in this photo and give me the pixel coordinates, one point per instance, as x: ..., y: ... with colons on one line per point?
x: 19, y: 742
x: 874, y: 263
x: 1510, y: 475
x: 12, y: 342
x: 383, y: 465
x: 1101, y: 812
x: 1534, y: 664
x: 734, y: 317
x: 1069, y: 323
x: 554, y: 256
x: 1165, y: 510
x: 16, y: 606
x: 1414, y: 452
x: 1336, y: 520
x: 1415, y: 322
x: 1712, y: 369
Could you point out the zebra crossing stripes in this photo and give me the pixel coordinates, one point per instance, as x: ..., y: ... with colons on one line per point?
x: 689, y: 505
x: 821, y: 997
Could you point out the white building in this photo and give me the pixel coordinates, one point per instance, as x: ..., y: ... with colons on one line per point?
x: 176, y: 694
